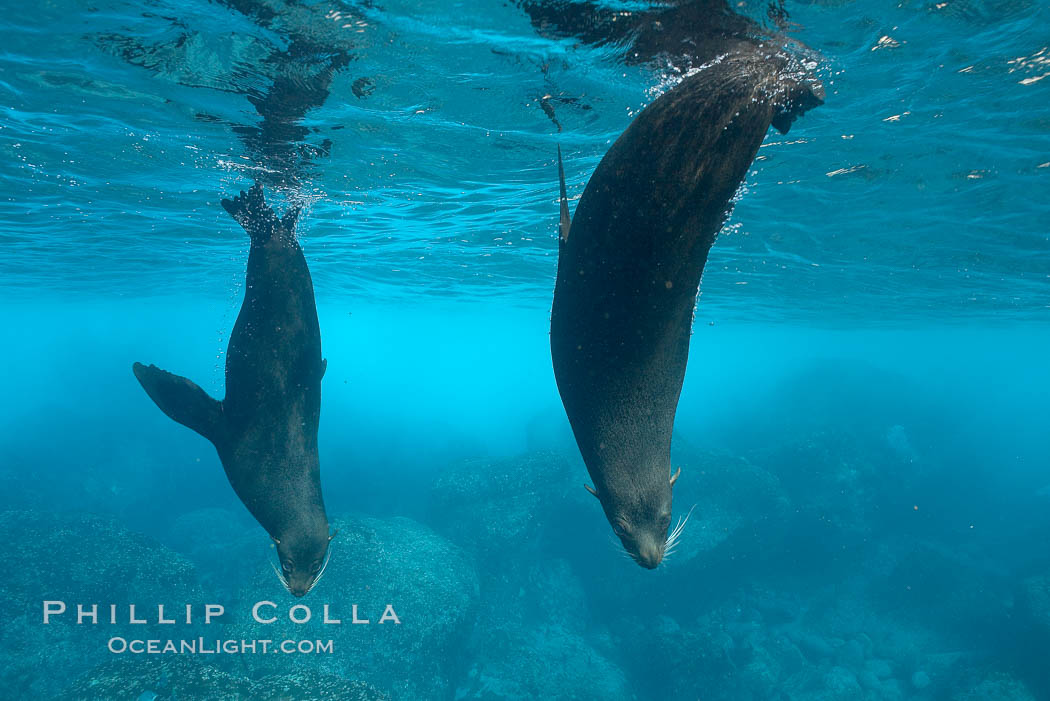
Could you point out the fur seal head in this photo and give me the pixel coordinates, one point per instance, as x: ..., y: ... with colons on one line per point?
x: 303, y: 555
x: 640, y: 516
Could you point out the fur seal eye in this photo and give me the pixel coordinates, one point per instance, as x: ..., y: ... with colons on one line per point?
x: 316, y: 567
x: 619, y: 529
x: 286, y: 566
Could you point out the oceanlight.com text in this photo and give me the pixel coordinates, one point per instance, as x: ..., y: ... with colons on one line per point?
x: 204, y: 646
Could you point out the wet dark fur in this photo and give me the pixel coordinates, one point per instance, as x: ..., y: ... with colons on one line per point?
x: 629, y: 271
x: 265, y: 430
x: 684, y: 33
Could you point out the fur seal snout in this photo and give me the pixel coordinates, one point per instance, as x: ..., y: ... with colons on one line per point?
x: 629, y: 267
x: 640, y: 515
x: 265, y: 429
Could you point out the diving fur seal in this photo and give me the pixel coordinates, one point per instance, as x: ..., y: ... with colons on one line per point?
x: 629, y: 268
x: 265, y: 430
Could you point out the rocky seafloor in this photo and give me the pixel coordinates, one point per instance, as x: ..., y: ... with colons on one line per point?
x: 831, y: 565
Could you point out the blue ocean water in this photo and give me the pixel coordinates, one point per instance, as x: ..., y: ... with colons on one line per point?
x: 863, y: 429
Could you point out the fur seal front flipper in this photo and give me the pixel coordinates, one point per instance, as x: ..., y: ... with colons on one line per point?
x: 629, y: 270
x: 182, y: 400
x: 265, y: 429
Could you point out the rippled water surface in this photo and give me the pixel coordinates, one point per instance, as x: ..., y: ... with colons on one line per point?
x: 862, y: 432
x: 920, y: 190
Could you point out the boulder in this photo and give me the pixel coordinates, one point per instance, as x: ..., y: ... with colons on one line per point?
x: 996, y: 687
x: 187, y: 678
x: 542, y: 662
x: 497, y: 508
x: 85, y: 558
x: 225, y: 546
x: 729, y: 500
x: 429, y: 583
x: 77, y: 559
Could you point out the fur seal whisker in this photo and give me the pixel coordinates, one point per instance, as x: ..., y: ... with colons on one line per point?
x: 672, y: 540
x: 619, y: 548
x: 280, y: 577
x: 324, y: 568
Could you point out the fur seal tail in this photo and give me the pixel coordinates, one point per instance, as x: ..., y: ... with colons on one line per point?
x: 258, y: 219
x: 182, y: 400
x: 566, y: 221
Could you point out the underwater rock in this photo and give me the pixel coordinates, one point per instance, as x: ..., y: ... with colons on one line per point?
x: 83, y: 559
x: 530, y: 593
x: 944, y: 587
x: 733, y: 502
x: 899, y: 441
x: 430, y: 584
x: 306, y: 685
x: 175, y: 678
x: 220, y: 543
x: 90, y: 559
x: 851, y: 654
x: 834, y: 648
x: 834, y: 684
x: 878, y: 668
x: 547, y: 662
x: 1033, y: 602
x: 813, y: 647
x: 839, y: 682
x: 499, y: 507
x: 998, y: 687
x: 201, y: 531
x: 920, y: 680
x: 185, y: 678
x: 531, y: 639
x: 846, y: 438
x: 831, y: 478
x: 724, y: 655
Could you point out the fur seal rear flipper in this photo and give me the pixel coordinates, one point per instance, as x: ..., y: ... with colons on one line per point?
x: 265, y: 429
x: 629, y: 270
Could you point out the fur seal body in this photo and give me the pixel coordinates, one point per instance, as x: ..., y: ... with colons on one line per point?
x: 265, y: 430
x: 629, y: 268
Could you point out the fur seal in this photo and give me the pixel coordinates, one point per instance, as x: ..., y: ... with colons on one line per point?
x: 684, y: 33
x: 265, y: 430
x: 629, y: 269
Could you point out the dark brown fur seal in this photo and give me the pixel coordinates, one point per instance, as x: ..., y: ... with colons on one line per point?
x: 629, y: 269
x: 265, y: 430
